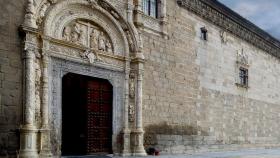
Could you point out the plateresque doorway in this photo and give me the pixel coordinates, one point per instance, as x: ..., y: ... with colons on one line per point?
x: 86, y: 115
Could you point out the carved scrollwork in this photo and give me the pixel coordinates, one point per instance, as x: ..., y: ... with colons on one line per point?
x: 132, y: 86
x: 131, y: 112
x: 88, y: 35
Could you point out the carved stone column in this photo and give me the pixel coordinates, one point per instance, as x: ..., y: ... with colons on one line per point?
x: 138, y: 133
x: 28, y: 131
x: 45, y: 130
x: 138, y: 21
x: 126, y: 131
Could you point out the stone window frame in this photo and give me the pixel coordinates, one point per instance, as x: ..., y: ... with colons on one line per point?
x: 156, y: 25
x: 242, y: 64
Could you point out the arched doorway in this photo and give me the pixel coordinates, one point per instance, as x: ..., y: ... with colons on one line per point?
x: 86, y: 115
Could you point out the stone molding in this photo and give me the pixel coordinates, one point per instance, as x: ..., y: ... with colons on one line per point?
x: 218, y: 14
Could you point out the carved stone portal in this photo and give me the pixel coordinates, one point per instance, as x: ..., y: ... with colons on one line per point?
x: 89, y: 35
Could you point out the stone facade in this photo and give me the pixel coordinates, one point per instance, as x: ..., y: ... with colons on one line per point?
x: 181, y: 90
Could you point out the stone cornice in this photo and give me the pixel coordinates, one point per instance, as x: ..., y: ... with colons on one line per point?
x: 228, y: 20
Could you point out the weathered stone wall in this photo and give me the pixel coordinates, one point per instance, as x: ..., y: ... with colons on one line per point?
x: 191, y: 100
x: 11, y: 16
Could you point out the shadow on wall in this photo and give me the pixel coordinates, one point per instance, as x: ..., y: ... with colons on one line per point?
x: 172, y: 132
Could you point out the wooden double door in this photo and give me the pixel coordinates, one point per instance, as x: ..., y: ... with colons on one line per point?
x: 86, y: 115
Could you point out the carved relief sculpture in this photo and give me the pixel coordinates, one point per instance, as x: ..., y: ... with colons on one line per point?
x: 75, y: 34
x: 131, y: 113
x: 242, y: 58
x: 109, y: 47
x: 223, y: 35
x: 67, y: 33
x: 101, y: 42
x: 94, y: 39
x: 88, y: 35
x: 83, y: 37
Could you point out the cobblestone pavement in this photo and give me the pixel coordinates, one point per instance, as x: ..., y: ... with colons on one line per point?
x: 260, y: 153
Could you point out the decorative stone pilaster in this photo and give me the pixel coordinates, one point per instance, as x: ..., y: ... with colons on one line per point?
x: 138, y: 133
x: 45, y: 150
x: 28, y: 130
x: 126, y: 131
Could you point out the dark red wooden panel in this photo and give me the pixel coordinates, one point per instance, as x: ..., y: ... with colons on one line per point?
x: 99, y: 114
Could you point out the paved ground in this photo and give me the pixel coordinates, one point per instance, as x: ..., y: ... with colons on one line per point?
x: 260, y: 153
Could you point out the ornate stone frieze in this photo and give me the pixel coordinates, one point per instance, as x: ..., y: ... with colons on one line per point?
x: 228, y: 20
x: 88, y: 35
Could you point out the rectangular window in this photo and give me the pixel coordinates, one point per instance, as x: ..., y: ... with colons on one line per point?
x: 243, y: 76
x: 150, y: 7
x: 204, y: 33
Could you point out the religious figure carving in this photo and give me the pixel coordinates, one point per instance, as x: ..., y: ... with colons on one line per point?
x: 94, y: 39
x: 82, y: 37
x: 67, y: 33
x: 88, y: 35
x: 102, y: 42
x: 109, y: 47
x: 75, y: 34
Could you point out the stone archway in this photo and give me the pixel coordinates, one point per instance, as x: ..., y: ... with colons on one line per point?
x: 88, y: 38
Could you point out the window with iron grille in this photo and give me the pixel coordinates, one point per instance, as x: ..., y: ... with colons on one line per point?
x: 204, y: 35
x: 243, y: 76
x: 150, y: 7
